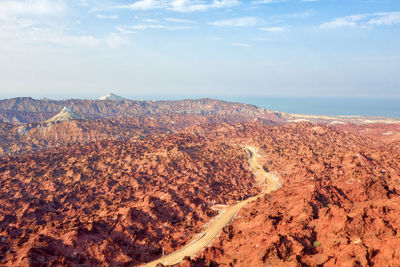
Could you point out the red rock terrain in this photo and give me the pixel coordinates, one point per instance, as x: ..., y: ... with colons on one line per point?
x: 114, y: 192
x: 17, y: 139
x: 115, y: 202
x: 385, y: 133
x: 338, y: 205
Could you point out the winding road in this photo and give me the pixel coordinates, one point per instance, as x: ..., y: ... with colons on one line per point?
x: 270, y: 183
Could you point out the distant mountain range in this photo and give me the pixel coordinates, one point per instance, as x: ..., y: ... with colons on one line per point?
x: 22, y: 110
x: 28, y: 110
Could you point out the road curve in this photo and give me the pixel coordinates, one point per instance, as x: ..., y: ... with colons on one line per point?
x: 206, y: 237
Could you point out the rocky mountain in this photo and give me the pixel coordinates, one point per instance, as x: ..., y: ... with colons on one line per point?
x: 111, y: 97
x: 29, y: 110
x: 66, y: 114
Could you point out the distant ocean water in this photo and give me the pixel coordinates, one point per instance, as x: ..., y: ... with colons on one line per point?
x: 381, y: 107
x: 326, y: 106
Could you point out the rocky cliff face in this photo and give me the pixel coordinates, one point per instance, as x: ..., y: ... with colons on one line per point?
x: 28, y: 110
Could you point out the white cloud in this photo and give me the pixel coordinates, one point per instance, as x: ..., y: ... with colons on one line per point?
x: 261, y: 2
x: 129, y: 29
x: 144, y: 5
x: 273, y: 29
x: 180, y: 5
x: 12, y: 9
x: 363, y: 20
x: 70, y: 40
x: 190, y: 5
x: 179, y: 20
x: 124, y: 30
x: 100, y: 16
x: 23, y: 23
x: 146, y: 26
x: 224, y: 3
x: 299, y: 15
x: 385, y: 18
x: 151, y: 20
x: 46, y: 36
x: 187, y: 6
x: 338, y: 23
x: 240, y: 44
x: 237, y: 22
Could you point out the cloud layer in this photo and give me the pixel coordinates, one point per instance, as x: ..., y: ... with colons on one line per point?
x: 363, y: 20
x: 237, y: 22
x: 180, y: 5
x: 12, y: 9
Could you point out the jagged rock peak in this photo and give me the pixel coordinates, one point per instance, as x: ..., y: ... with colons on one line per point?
x: 111, y: 97
x: 67, y: 109
x: 66, y: 114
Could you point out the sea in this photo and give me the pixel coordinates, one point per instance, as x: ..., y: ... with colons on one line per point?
x: 333, y: 106
x: 327, y: 106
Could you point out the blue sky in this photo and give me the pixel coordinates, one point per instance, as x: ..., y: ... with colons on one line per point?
x: 85, y: 48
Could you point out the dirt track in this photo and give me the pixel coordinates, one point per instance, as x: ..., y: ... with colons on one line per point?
x: 206, y: 237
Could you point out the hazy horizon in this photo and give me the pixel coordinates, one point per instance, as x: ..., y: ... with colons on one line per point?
x: 273, y: 48
x: 232, y: 98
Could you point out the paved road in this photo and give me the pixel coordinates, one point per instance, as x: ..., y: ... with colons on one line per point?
x: 206, y: 237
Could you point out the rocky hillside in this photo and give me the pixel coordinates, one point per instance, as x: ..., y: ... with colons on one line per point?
x: 29, y: 110
x: 110, y: 203
x: 17, y: 139
x: 338, y: 205
x: 114, y: 192
x: 375, y: 132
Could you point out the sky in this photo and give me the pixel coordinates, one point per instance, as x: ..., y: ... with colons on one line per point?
x: 190, y: 48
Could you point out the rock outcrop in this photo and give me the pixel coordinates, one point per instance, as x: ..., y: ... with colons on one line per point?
x: 66, y: 114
